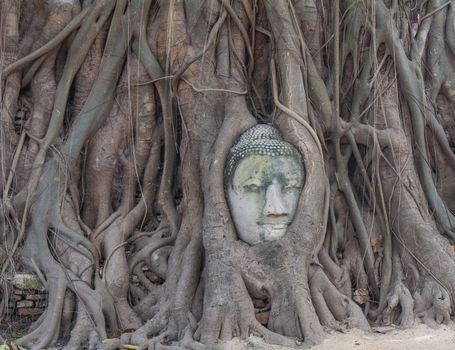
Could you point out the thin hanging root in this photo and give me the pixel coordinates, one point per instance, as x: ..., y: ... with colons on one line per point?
x: 53, y: 43
x: 211, y: 39
x: 30, y: 73
x: 104, y: 225
x: 114, y: 60
x: 412, y: 83
x: 115, y: 271
x: 155, y: 71
x: 13, y: 166
x: 242, y: 30
x: 290, y: 112
x: 450, y: 27
x: 78, y: 239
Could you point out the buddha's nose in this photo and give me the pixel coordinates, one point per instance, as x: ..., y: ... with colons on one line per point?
x: 274, y: 203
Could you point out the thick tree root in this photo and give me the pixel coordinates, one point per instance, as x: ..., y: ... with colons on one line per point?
x: 136, y: 141
x: 433, y: 304
x: 48, y: 330
x: 399, y: 302
x: 83, y: 333
x: 334, y: 309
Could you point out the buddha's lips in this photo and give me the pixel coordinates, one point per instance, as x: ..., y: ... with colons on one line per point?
x: 275, y: 226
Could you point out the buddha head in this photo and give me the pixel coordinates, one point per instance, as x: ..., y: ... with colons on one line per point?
x: 263, y: 179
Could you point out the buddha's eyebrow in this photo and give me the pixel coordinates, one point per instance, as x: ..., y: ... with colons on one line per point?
x: 293, y: 179
x: 293, y: 183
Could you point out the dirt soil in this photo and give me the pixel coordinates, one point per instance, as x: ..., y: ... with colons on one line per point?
x: 420, y: 337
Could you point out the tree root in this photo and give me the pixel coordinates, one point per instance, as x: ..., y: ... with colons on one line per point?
x: 152, y: 328
x: 212, y: 281
x: 229, y: 312
x: 164, y: 342
x: 436, y: 305
x: 48, y: 330
x: 83, y: 332
x: 333, y: 308
x: 399, y: 296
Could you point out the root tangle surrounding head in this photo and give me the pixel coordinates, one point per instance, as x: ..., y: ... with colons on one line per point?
x: 116, y: 120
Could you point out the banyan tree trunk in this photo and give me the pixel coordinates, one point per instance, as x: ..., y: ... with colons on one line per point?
x: 117, y: 117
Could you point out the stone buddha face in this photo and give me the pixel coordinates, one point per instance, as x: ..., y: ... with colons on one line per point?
x: 263, y: 178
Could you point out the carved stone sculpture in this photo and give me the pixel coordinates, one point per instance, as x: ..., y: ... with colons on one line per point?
x: 264, y: 176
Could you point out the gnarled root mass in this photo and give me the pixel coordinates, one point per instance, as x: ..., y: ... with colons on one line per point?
x: 116, y: 120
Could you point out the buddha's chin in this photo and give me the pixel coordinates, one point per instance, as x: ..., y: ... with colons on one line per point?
x: 274, y: 232
x: 263, y: 233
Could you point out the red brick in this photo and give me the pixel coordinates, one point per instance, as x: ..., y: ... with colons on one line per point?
x: 29, y: 311
x: 263, y: 317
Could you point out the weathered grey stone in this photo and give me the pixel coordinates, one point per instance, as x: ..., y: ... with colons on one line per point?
x: 27, y: 281
x: 16, y: 297
x: 264, y: 177
x: 21, y: 292
x: 41, y: 303
x: 35, y: 296
x: 25, y: 303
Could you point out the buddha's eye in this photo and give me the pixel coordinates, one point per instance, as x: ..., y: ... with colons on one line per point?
x: 252, y: 188
x: 291, y: 186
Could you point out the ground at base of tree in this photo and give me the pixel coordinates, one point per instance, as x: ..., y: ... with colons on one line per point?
x: 420, y: 337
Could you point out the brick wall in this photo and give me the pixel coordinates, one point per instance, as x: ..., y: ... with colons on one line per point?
x: 28, y: 297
